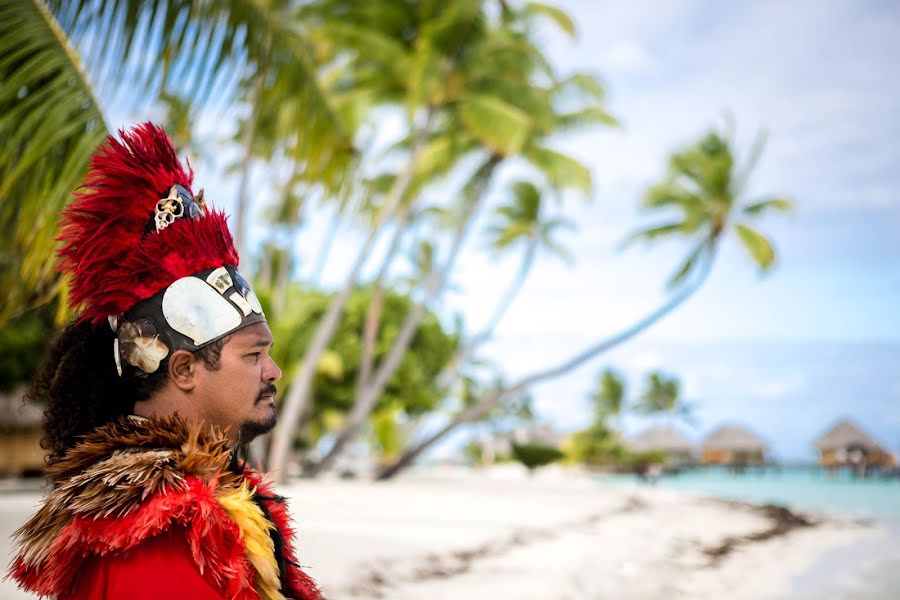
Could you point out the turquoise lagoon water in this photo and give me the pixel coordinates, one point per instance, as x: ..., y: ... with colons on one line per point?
x: 796, y: 487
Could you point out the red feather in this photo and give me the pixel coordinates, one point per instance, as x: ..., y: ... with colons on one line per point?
x: 112, y: 265
x: 303, y: 586
x: 214, y: 539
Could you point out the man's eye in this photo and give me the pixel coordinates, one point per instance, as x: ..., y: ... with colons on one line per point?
x: 255, y: 354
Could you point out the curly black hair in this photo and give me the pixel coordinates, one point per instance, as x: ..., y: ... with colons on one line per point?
x: 79, y: 384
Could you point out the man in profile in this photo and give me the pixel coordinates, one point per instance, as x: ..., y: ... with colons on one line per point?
x: 149, y: 392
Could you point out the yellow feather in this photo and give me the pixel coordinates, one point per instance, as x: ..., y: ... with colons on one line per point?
x: 258, y: 546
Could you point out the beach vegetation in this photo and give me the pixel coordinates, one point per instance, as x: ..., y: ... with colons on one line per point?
x: 534, y: 456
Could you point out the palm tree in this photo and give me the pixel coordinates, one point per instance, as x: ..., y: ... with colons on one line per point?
x: 608, y: 397
x: 662, y: 396
x: 52, y: 99
x: 406, y: 55
x: 503, y: 108
x: 706, y: 187
x: 521, y: 222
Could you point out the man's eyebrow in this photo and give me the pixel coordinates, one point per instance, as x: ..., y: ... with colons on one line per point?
x: 263, y: 342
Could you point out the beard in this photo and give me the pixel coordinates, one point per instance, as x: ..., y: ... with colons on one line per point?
x: 253, y: 428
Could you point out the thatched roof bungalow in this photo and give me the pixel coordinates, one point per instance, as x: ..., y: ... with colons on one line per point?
x: 847, y: 444
x: 678, y: 449
x: 733, y: 445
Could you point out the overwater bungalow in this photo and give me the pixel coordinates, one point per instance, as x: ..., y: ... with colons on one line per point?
x: 845, y: 444
x: 733, y: 446
x: 678, y: 449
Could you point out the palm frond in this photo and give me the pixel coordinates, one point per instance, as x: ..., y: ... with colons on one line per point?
x: 562, y: 171
x: 556, y: 15
x: 50, y: 124
x: 55, y: 55
x: 580, y: 85
x: 499, y: 125
x: 756, y: 150
x: 757, y: 245
x: 650, y: 234
x: 688, y: 266
x: 762, y: 206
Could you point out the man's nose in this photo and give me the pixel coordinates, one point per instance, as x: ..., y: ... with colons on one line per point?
x: 272, y: 371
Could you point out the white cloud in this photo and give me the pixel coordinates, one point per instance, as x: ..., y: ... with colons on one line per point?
x: 780, y: 388
x: 624, y: 57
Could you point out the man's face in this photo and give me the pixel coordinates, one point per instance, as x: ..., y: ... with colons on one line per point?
x: 239, y: 396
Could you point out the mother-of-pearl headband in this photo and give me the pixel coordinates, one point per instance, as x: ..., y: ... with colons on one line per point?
x: 191, y: 313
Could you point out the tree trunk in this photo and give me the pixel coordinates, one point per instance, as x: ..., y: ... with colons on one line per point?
x: 365, y: 402
x: 325, y: 248
x: 240, y: 216
x: 466, y: 352
x: 373, y: 314
x: 513, y: 291
x: 483, y: 406
x: 298, y: 394
x: 283, y: 277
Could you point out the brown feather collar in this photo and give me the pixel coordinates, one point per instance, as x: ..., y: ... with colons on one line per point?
x: 117, y: 466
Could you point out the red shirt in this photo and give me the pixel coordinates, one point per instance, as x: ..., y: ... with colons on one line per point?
x: 160, y: 567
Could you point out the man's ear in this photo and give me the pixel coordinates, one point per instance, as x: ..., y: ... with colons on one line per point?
x: 182, y: 367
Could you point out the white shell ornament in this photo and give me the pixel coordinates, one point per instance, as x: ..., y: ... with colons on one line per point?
x: 196, y: 310
x: 140, y: 345
x: 241, y: 302
x: 254, y: 302
x: 220, y: 279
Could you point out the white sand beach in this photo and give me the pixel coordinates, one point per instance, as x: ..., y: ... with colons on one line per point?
x: 456, y: 533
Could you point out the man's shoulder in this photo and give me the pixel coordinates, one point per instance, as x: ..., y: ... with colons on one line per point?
x: 136, y: 573
x: 127, y: 483
x: 133, y: 474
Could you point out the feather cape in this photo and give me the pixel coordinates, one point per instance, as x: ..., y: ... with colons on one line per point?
x: 134, y: 478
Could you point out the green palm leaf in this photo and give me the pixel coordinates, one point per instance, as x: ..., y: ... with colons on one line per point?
x: 657, y: 231
x: 608, y: 397
x: 554, y: 14
x: 701, y: 184
x: 562, y: 171
x: 134, y: 50
x: 759, y: 247
x: 687, y: 267
x: 763, y: 206
x: 499, y: 125
x: 50, y: 125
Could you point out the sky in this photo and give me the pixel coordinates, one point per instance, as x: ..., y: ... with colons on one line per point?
x: 785, y: 354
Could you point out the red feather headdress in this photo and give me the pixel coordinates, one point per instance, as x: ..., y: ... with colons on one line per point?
x: 113, y: 259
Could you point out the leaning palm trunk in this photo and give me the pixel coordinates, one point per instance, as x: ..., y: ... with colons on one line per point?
x: 510, y: 295
x: 283, y: 277
x: 300, y: 390
x: 373, y: 314
x: 465, y: 352
x: 240, y: 217
x: 494, y: 399
x: 365, y: 401
x: 325, y: 248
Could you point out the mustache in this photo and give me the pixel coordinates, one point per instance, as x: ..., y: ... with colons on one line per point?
x: 268, y: 390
